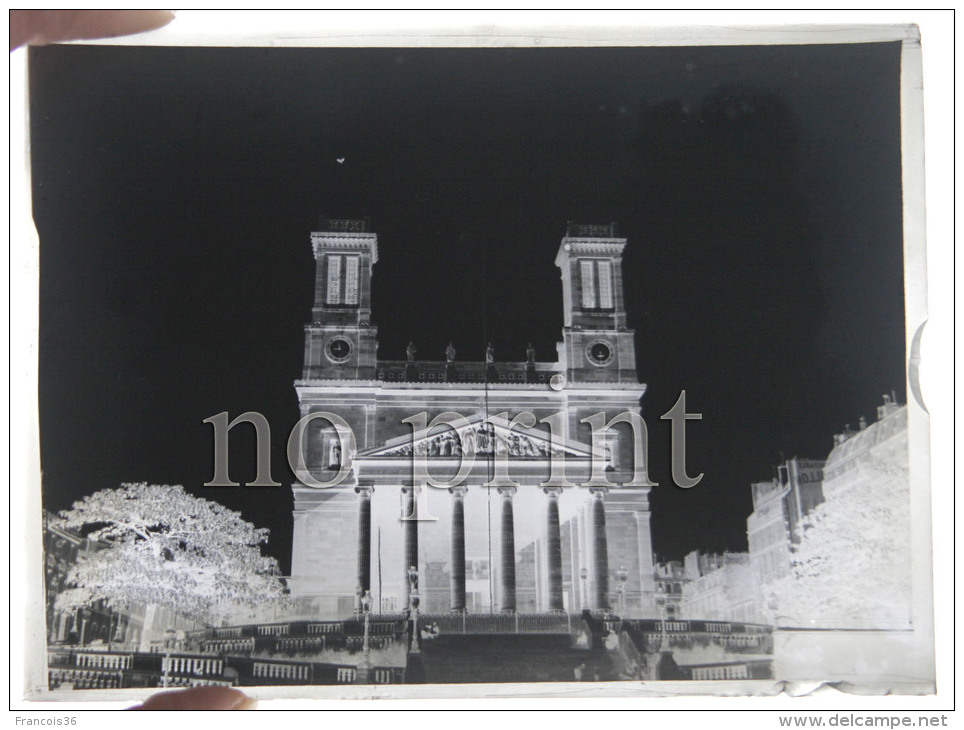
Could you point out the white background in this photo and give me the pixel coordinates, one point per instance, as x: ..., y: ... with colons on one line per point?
x: 937, y: 367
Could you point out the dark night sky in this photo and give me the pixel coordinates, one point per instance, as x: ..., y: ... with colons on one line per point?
x: 175, y: 189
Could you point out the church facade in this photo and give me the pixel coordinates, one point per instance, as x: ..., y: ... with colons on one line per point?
x: 479, y: 486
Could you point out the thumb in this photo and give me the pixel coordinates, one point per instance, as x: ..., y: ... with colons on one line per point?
x: 199, y: 698
x: 51, y: 26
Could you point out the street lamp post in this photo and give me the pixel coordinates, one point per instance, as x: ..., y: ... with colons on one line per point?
x: 110, y: 628
x: 169, y: 635
x: 365, y: 664
x: 663, y: 614
x: 413, y: 609
x: 666, y: 667
x: 584, y: 574
x: 621, y: 576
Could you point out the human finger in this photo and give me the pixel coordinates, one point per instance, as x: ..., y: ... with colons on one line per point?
x: 51, y: 26
x: 199, y: 698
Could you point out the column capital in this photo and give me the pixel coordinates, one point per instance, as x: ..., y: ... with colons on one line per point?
x: 364, y: 490
x: 599, y: 492
x: 640, y: 515
x: 458, y: 491
x: 409, y: 488
x: 553, y: 492
x: 507, y: 491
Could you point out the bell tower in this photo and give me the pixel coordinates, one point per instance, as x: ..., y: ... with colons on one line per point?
x: 340, y: 342
x: 597, y: 345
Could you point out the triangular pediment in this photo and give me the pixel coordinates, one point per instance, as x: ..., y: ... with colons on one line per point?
x: 478, y: 436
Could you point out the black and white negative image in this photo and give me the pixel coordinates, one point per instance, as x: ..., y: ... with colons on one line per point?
x: 404, y: 366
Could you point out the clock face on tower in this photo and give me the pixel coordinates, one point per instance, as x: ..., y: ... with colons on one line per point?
x: 338, y: 349
x: 599, y: 353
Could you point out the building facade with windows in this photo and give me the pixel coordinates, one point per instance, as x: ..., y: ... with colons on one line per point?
x: 479, y: 485
x: 779, y: 506
x: 719, y: 587
x: 96, y: 623
x: 862, y: 459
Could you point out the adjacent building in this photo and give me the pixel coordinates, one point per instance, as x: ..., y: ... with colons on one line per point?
x: 96, y: 623
x: 719, y: 587
x: 779, y: 507
x: 874, y: 452
x: 137, y: 627
x: 670, y: 578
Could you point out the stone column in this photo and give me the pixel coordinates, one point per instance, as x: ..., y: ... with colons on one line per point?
x: 508, y: 550
x: 554, y: 548
x: 364, y: 493
x: 647, y: 581
x: 410, y: 530
x: 600, y: 548
x: 457, y: 575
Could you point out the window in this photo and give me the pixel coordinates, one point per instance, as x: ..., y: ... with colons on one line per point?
x: 351, y: 280
x: 334, y: 280
x: 605, y: 284
x: 596, y: 277
x: 588, y: 288
x: 342, y: 280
